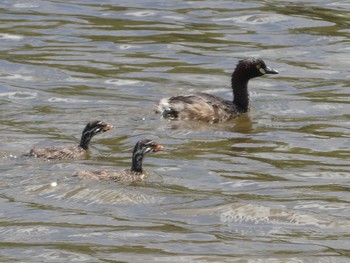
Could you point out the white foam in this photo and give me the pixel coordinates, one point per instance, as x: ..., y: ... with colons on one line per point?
x: 10, y: 37
x: 141, y: 14
x: 25, y: 5
x: 17, y: 77
x: 121, y: 82
x: 124, y: 47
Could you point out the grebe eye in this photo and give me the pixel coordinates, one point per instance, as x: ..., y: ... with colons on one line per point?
x: 262, y: 71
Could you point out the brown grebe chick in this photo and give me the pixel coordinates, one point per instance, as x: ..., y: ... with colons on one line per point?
x: 211, y: 108
x: 75, y: 151
x: 135, y: 174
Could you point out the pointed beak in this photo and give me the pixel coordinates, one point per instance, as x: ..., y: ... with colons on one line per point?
x: 270, y: 71
x: 107, y: 127
x: 157, y: 148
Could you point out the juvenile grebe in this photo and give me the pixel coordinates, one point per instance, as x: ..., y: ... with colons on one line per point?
x: 135, y: 174
x: 75, y: 151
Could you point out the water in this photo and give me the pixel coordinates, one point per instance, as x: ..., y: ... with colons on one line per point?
x: 270, y: 186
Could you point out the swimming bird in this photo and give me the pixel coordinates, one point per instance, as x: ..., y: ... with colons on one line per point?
x: 135, y: 174
x: 213, y: 109
x: 74, y: 151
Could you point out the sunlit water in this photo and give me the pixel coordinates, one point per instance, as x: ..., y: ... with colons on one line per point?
x: 270, y: 186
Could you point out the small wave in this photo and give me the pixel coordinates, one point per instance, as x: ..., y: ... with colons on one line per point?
x: 255, y: 19
x: 324, y: 106
x: 9, y: 157
x: 128, y: 197
x: 51, y: 255
x: 125, y: 47
x: 17, y: 77
x: 14, y: 233
x: 56, y: 99
x: 72, y: 79
x: 90, y: 196
x: 22, y: 95
x: 202, y: 78
x: 176, y: 18
x: 258, y: 214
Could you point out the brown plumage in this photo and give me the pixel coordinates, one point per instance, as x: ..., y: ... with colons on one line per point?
x: 74, y: 151
x: 135, y: 174
x: 210, y: 108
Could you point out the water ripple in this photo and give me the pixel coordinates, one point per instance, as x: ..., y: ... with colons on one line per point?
x: 269, y: 186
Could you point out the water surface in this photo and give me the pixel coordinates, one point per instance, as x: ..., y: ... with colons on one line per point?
x: 270, y: 186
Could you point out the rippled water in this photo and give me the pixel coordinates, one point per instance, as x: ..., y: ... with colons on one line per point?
x: 270, y: 186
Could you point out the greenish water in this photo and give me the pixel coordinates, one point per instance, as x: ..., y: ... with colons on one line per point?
x: 270, y: 186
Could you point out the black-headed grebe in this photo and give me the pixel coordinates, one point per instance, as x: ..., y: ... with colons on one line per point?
x: 211, y: 108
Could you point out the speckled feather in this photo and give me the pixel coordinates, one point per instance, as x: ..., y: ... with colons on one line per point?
x: 199, y: 106
x: 58, y: 153
x: 123, y: 176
